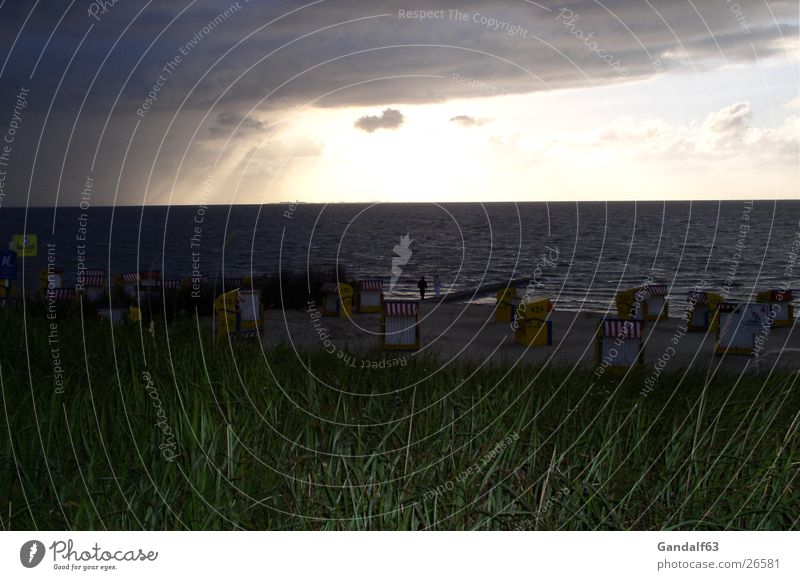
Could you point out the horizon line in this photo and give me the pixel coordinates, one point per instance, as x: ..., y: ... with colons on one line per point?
x: 375, y: 202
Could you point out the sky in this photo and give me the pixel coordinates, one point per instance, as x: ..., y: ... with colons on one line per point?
x: 195, y: 102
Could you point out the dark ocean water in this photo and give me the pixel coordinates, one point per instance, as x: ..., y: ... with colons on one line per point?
x: 578, y: 253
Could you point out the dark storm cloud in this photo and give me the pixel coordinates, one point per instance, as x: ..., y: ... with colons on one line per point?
x: 176, y: 71
x: 505, y: 43
x: 228, y: 122
x: 389, y: 119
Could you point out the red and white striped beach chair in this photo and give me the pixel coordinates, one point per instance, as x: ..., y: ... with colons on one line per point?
x: 369, y: 296
x: 619, y: 343
x: 400, y: 325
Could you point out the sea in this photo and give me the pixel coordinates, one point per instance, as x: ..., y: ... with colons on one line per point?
x: 577, y: 253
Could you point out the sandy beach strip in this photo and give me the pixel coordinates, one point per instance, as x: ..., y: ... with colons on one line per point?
x: 467, y: 332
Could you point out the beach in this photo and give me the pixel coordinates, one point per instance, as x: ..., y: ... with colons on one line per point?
x: 468, y: 332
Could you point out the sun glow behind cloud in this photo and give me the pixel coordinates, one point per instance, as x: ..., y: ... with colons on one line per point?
x: 569, y: 144
x: 349, y: 101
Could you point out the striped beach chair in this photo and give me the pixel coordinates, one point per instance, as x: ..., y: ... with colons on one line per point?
x: 643, y: 303
x: 133, y: 283
x: 780, y: 306
x: 94, y: 284
x: 369, y: 296
x: 128, y: 283
x: 703, y: 310
x: 400, y: 325
x: 619, y: 343
x: 59, y: 296
x: 94, y: 288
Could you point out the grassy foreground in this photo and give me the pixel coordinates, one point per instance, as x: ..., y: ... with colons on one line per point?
x: 182, y: 432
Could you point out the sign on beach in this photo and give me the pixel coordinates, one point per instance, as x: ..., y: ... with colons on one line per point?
x: 25, y: 245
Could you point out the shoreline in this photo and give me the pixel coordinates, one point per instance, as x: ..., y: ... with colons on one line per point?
x: 452, y: 330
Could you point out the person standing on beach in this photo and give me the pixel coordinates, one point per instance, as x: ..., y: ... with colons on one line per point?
x: 437, y: 285
x: 422, y: 285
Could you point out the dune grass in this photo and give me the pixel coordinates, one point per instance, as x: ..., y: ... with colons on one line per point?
x: 179, y: 431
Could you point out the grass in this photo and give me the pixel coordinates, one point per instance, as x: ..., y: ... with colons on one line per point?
x: 276, y: 440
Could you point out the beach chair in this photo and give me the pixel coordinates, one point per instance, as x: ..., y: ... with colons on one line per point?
x: 369, y: 296
x: 50, y: 278
x: 703, y: 310
x: 400, y: 325
x: 94, y: 285
x: 127, y: 283
x: 55, y: 296
x: 61, y: 294
x: 532, y: 327
x: 619, y: 343
x: 780, y: 306
x: 643, y: 303
x: 58, y: 300
x: 151, y: 295
x: 239, y: 314
x: 507, y: 301
x: 739, y: 325
x: 337, y: 299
